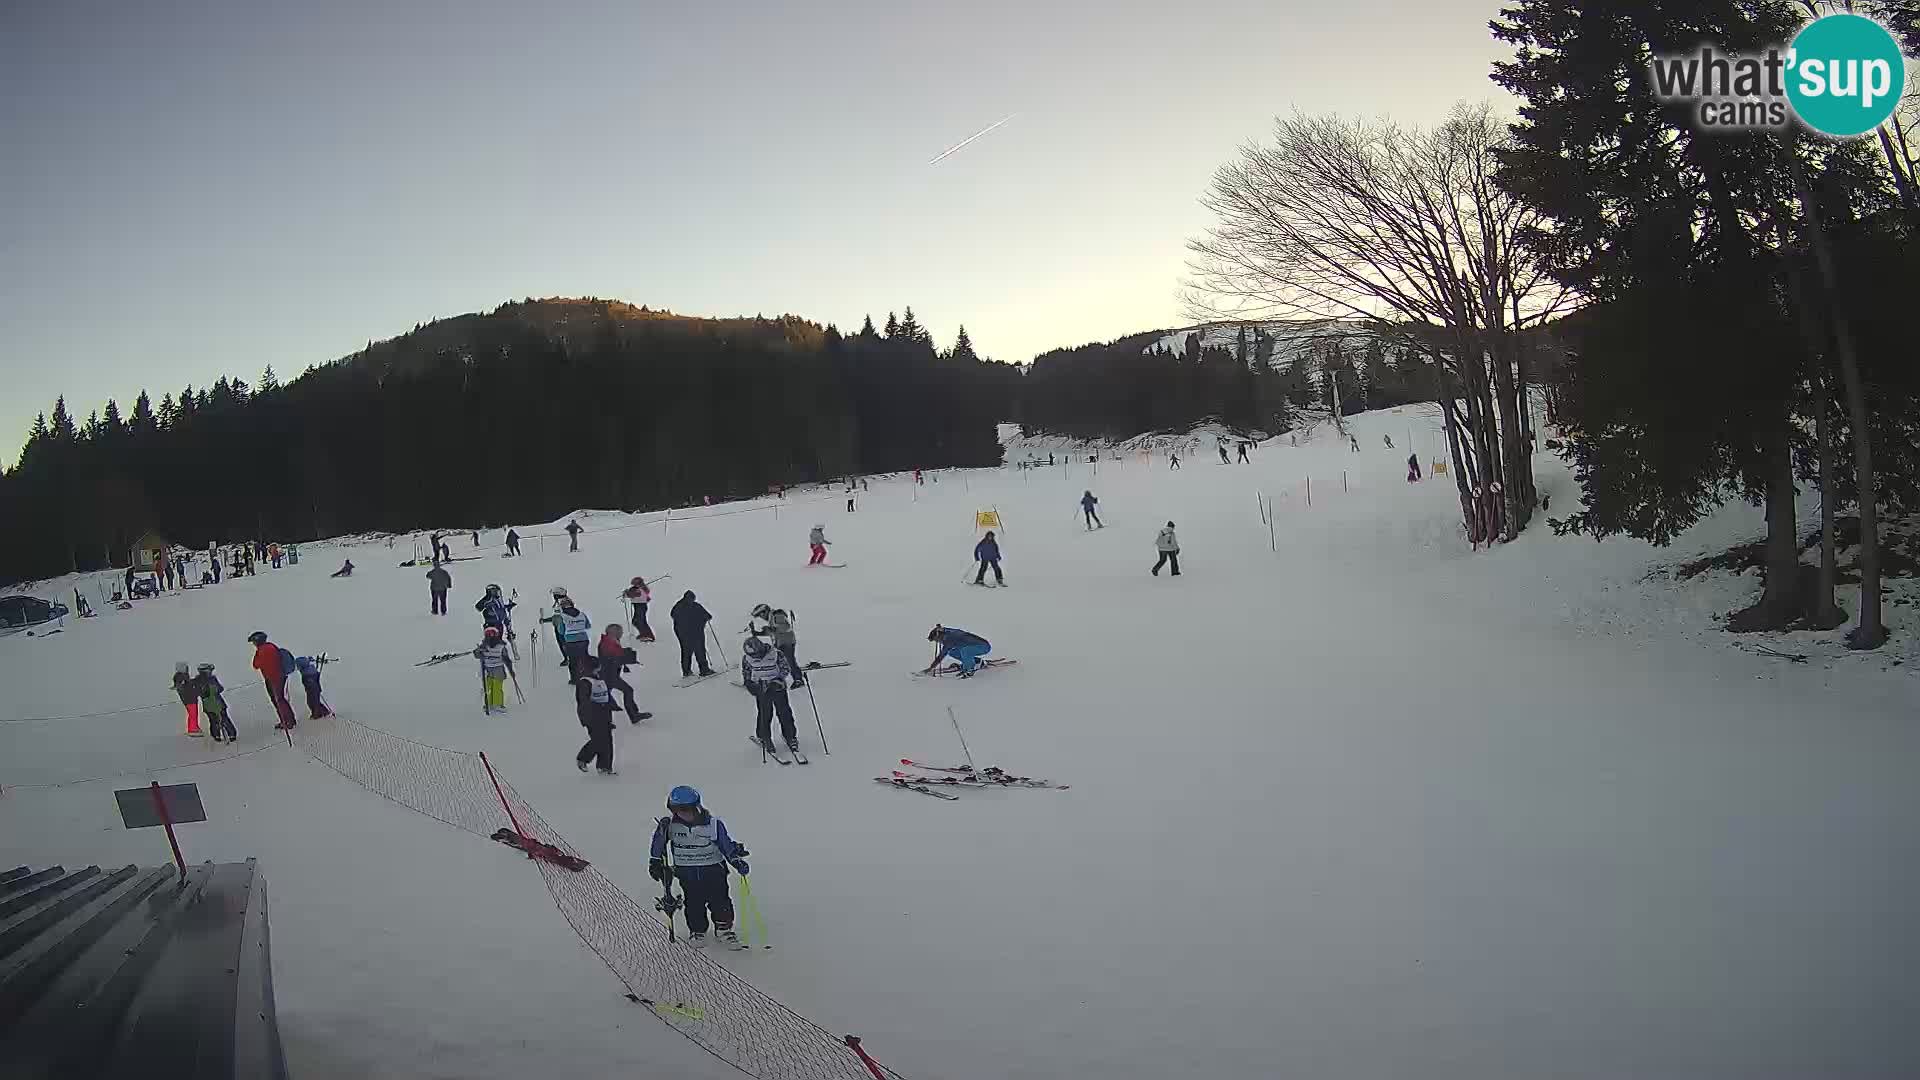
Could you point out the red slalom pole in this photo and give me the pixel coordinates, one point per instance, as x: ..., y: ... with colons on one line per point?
x: 872, y: 1065
x: 518, y: 831
x: 166, y: 819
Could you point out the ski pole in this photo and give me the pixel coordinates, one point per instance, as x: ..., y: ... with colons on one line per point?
x: 815, y: 702
x: 517, y: 692
x: 752, y: 913
x: 963, y: 738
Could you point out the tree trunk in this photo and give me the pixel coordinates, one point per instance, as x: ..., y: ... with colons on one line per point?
x: 1822, y: 612
x: 1779, y: 603
x: 1871, y: 633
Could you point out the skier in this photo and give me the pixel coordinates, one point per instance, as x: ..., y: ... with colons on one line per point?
x: 765, y: 671
x: 1221, y: 445
x: 310, y: 681
x: 346, y: 569
x: 702, y: 851
x: 638, y: 595
x: 614, y: 658
x: 690, y: 621
x: 594, y: 702
x: 1413, y: 467
x: 966, y: 648
x: 1353, y: 441
x: 274, y: 665
x: 778, y: 624
x: 433, y: 541
x: 1243, y: 453
x: 80, y: 604
x: 1087, y: 505
x: 214, y: 558
x: 1169, y: 547
x: 163, y: 570
x: 575, y: 630
x: 476, y: 538
x: 1173, y: 461
x: 817, y: 539
x: 916, y: 477
x: 573, y: 535
x: 273, y: 555
x: 1389, y: 441
x: 496, y: 664
x: 513, y: 543
x: 213, y: 705
x: 183, y: 685
x: 987, y: 554
x: 496, y: 611
x: 438, y: 582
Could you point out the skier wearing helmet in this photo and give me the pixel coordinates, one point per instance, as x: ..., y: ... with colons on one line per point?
x: 496, y: 611
x: 639, y: 596
x: 765, y: 672
x: 496, y: 664
x: 778, y: 625
x: 701, y: 851
x: 574, y: 631
x: 817, y: 539
x: 962, y: 646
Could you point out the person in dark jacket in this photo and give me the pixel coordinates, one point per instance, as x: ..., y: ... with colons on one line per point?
x: 183, y: 685
x: 690, y: 621
x: 965, y: 648
x: 1089, y: 506
x: 701, y: 852
x: 309, y: 670
x: 987, y: 554
x: 346, y: 569
x: 438, y: 582
x: 129, y: 593
x: 593, y: 700
x: 573, y: 535
x: 614, y: 658
x: 1413, y: 467
x: 513, y: 542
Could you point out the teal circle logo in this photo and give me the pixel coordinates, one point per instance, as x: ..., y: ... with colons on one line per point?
x: 1845, y: 75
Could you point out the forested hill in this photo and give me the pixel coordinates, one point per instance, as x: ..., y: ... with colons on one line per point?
x: 525, y: 412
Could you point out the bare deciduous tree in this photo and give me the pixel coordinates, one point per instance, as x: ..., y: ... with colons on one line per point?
x: 1405, y: 229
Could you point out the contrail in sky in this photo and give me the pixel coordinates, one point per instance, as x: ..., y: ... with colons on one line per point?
x: 955, y: 148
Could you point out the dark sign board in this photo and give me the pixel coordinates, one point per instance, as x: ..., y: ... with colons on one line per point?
x: 137, y: 808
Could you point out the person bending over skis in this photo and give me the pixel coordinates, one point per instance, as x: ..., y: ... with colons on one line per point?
x: 962, y: 646
x: 702, y: 851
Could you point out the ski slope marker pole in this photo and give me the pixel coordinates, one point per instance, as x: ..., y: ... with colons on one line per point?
x: 963, y: 738
x: 815, y: 702
x: 517, y: 830
x: 853, y: 1043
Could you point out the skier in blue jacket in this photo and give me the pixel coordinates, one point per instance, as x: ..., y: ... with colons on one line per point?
x: 959, y: 644
x: 702, y: 851
x: 987, y: 553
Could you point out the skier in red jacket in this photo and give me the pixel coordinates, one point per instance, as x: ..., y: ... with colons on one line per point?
x: 267, y: 661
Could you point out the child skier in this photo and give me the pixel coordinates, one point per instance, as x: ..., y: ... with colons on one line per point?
x: 987, y: 554
x: 309, y: 670
x: 639, y: 596
x: 496, y: 611
x: 765, y: 671
x: 614, y: 658
x: 960, y: 645
x: 817, y: 539
x: 594, y: 704
x: 183, y: 686
x: 496, y: 664
x: 778, y: 624
x: 701, y: 851
x: 213, y: 705
x: 574, y: 631
x: 1089, y: 506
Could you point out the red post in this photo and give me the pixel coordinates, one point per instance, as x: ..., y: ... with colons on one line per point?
x: 872, y: 1065
x: 160, y: 807
x: 518, y: 831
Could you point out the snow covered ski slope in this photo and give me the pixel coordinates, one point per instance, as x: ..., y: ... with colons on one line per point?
x: 1343, y: 799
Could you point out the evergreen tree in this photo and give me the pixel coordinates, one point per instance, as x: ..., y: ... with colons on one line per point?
x: 866, y: 328
x: 963, y: 347
x: 63, y: 432
x: 142, y: 422
x: 110, y: 423
x: 268, y: 381
x: 893, y: 327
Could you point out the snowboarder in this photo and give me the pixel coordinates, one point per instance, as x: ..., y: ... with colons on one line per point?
x: 438, y: 582
x: 817, y: 539
x: 1413, y: 468
x: 310, y: 681
x: 1169, y: 547
x: 594, y: 702
x: 573, y: 535
x: 987, y: 554
x: 1243, y: 453
x: 496, y: 611
x: 213, y: 705
x: 183, y: 686
x: 575, y: 631
x: 701, y: 851
x: 1087, y: 507
x: 346, y: 569
x: 496, y: 665
x: 778, y: 624
x: 690, y: 621
x: 638, y: 595
x: 274, y: 665
x: 614, y: 658
x: 513, y: 543
x: 766, y: 671
x: 966, y: 648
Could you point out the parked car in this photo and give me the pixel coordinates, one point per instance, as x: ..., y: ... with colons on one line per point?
x: 17, y: 612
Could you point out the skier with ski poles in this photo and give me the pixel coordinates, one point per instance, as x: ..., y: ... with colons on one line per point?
x: 573, y: 628
x: 765, y: 671
x: 817, y: 540
x: 987, y: 554
x: 690, y: 619
x: 614, y: 658
x: 309, y: 670
x: 965, y: 648
x: 639, y: 596
x: 778, y: 624
x: 701, y: 852
x: 513, y: 542
x: 496, y: 611
x: 1088, y: 504
x: 496, y: 666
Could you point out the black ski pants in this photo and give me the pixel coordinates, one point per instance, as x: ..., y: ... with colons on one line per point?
x: 981, y: 577
x: 439, y: 601
x: 620, y: 685
x: 773, y: 699
x: 706, y: 892
x: 599, y: 744
x: 693, y: 647
x: 1093, y: 516
x: 1166, y: 558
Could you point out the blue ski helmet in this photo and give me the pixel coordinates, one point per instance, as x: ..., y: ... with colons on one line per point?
x: 683, y: 796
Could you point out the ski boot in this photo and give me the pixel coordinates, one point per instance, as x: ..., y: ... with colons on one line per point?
x: 728, y: 938
x: 697, y: 939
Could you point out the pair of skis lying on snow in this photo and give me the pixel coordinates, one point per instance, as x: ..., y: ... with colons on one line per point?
x: 959, y: 776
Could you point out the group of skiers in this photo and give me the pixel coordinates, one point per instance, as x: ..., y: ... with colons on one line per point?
x: 204, y: 697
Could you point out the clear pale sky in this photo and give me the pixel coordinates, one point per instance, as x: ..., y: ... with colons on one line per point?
x: 201, y: 188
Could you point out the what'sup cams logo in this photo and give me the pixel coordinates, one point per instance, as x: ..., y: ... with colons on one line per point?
x: 1842, y: 75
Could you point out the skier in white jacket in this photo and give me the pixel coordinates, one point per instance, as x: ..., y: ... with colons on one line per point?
x: 1169, y: 547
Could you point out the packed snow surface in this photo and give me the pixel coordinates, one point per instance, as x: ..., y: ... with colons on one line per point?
x: 1347, y: 799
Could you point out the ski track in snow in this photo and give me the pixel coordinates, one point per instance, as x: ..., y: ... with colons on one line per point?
x: 1370, y: 806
